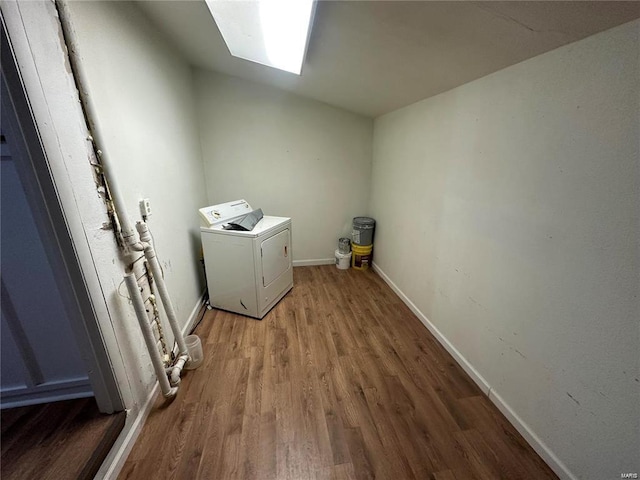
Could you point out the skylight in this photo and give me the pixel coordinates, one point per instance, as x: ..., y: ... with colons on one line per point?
x: 269, y: 32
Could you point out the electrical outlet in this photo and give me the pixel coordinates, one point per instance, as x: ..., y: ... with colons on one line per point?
x: 145, y: 207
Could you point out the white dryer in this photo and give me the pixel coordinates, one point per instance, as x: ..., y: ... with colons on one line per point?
x: 248, y: 272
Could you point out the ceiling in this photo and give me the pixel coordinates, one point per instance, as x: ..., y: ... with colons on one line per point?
x: 372, y: 57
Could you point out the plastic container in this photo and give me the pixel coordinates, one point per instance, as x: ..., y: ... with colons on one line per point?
x: 194, y: 347
x: 362, y: 233
x: 343, y: 260
x: 344, y: 245
x: 362, y: 256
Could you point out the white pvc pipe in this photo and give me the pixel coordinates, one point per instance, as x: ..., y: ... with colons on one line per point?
x: 176, y: 370
x: 144, y: 233
x: 147, y: 333
x: 126, y: 226
x: 127, y: 229
x: 150, y: 255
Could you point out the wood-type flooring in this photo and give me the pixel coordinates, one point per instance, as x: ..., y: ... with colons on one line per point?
x: 57, y: 441
x: 339, y: 381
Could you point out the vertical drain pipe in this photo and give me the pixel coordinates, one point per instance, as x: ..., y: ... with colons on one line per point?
x: 150, y: 255
x: 126, y: 226
x: 176, y: 369
x: 131, y: 240
x: 141, y: 314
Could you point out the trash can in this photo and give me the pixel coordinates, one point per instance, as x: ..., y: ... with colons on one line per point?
x: 362, y: 233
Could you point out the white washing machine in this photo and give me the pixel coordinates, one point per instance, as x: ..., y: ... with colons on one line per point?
x: 248, y: 272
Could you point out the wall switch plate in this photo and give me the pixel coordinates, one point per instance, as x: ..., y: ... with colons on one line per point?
x: 145, y: 207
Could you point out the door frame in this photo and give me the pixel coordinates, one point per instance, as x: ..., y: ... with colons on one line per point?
x: 51, y: 195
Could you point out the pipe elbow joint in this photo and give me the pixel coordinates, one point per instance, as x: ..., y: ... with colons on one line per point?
x: 171, y: 394
x: 174, y: 379
x: 143, y: 232
x: 176, y: 370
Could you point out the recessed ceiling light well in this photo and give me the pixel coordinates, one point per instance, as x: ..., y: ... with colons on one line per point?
x: 274, y: 33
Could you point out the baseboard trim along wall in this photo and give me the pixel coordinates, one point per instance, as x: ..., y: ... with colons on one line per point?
x: 318, y: 261
x: 112, y: 465
x: 46, y: 392
x: 193, y: 316
x: 532, y: 439
x: 466, y: 366
x: 136, y: 419
x: 538, y: 445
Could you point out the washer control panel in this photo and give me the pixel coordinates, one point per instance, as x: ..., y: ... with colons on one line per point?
x: 223, y: 212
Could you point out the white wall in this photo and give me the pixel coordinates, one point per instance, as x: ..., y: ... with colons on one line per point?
x: 507, y: 213
x: 288, y: 155
x: 142, y: 92
x: 526, y: 183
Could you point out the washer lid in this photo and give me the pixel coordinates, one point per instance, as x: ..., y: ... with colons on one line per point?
x: 223, y: 212
x: 264, y: 226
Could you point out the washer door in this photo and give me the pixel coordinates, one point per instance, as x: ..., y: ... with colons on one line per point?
x: 276, y: 256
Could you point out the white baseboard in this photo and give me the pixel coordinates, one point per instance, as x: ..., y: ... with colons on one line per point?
x: 536, y: 443
x: 116, y: 458
x: 532, y: 439
x: 466, y: 366
x: 113, y: 463
x: 49, y: 392
x: 318, y: 261
x: 193, y: 316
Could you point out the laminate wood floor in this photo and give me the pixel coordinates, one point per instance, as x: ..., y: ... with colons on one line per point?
x: 57, y: 441
x: 339, y: 381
